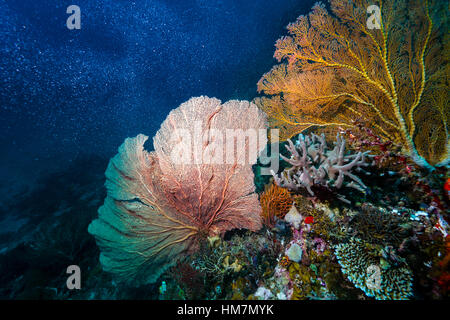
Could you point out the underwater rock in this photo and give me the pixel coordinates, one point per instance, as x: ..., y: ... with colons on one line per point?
x: 280, y: 284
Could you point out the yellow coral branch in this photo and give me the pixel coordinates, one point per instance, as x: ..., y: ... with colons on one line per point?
x: 422, y: 66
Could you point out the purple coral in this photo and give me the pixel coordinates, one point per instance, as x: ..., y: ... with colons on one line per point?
x: 313, y: 164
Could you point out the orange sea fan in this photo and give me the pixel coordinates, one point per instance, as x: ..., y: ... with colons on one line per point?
x: 275, y: 202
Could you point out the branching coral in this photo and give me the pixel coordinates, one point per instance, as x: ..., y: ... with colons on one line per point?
x: 275, y: 202
x: 158, y: 207
x: 314, y: 165
x: 364, y: 270
x: 394, y: 77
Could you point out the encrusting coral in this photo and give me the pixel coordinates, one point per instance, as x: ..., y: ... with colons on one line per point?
x: 158, y: 207
x: 314, y: 165
x: 392, y: 76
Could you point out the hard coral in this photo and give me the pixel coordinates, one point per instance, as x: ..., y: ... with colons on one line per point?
x: 313, y: 164
x: 294, y: 218
x: 365, y: 270
x: 159, y: 204
x: 393, y: 76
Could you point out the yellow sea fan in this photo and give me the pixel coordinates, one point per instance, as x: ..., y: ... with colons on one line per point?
x: 394, y: 78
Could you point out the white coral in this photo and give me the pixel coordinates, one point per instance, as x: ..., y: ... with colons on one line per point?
x: 313, y: 164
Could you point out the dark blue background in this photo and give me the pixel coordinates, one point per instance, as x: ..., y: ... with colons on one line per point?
x: 65, y: 92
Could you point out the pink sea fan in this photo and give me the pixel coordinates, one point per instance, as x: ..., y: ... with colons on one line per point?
x: 216, y: 190
x: 160, y: 204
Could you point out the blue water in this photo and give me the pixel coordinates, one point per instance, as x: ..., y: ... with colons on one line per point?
x: 69, y: 92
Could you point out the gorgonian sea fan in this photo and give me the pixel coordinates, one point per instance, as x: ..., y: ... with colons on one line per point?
x: 159, y: 206
x: 393, y: 78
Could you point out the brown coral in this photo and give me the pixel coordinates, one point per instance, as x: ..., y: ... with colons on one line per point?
x: 158, y: 207
x: 337, y: 70
x: 275, y: 202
